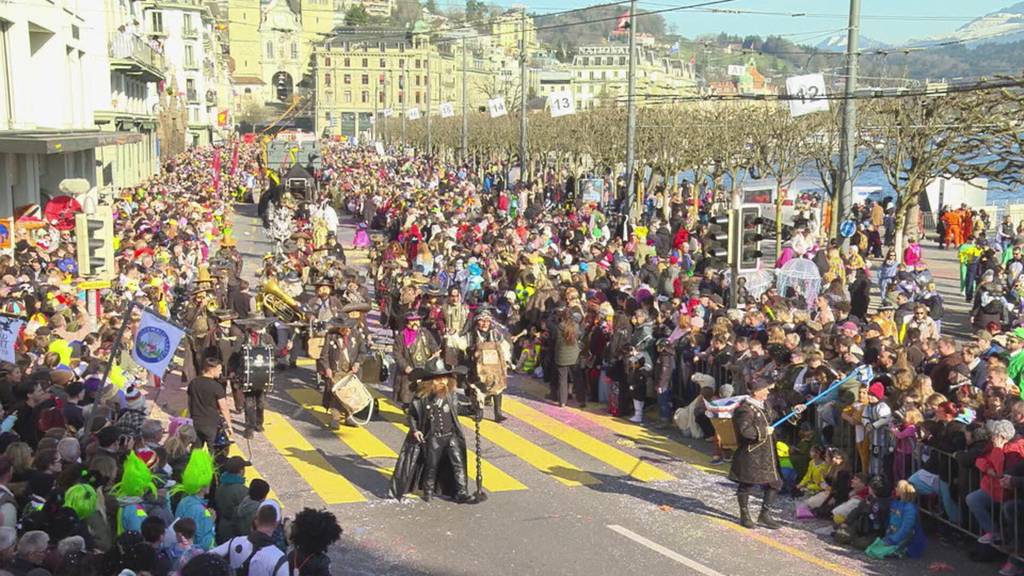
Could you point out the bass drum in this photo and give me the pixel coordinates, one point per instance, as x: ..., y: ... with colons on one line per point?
x: 258, y: 369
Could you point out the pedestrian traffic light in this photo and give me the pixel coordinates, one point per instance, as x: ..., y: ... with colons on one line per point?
x: 751, y: 231
x: 95, y: 237
x: 717, y: 241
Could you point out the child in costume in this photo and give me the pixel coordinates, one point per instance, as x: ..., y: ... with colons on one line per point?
x: 136, y: 482
x: 195, y: 481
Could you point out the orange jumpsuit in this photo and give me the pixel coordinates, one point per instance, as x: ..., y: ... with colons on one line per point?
x: 952, y: 221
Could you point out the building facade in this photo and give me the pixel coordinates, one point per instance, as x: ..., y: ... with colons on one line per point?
x: 126, y: 77
x: 48, y: 49
x: 600, y: 75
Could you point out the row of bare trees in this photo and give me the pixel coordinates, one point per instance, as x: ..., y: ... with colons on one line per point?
x: 913, y: 138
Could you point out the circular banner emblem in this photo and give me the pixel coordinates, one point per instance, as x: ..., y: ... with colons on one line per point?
x: 152, y: 344
x: 847, y: 228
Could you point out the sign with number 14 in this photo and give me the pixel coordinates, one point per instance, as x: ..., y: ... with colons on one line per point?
x: 807, y: 94
x: 496, y: 106
x: 561, y: 104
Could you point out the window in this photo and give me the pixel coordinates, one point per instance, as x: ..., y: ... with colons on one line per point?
x: 366, y: 96
x: 248, y: 90
x: 270, y: 49
x: 401, y: 98
x: 416, y: 64
x: 348, y: 97
x: 383, y: 63
x: 347, y: 62
x: 586, y: 60
x: 401, y: 62
x: 295, y: 51
x: 380, y: 97
x: 417, y: 79
x: 190, y: 56
x: 366, y: 63
x: 417, y: 97
x: 365, y: 79
x: 327, y: 60
x: 189, y: 28
x: 190, y: 90
x: 156, y: 22
x: 348, y: 79
x: 591, y: 74
x: 622, y: 60
x: 382, y: 46
x: 327, y: 79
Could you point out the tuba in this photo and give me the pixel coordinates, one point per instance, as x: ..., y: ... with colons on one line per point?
x: 272, y: 299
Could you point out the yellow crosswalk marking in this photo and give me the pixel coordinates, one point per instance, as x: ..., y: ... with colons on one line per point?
x: 585, y: 443
x: 310, y: 464
x: 652, y: 441
x: 359, y: 439
x: 532, y: 454
x: 495, y: 479
x: 250, y: 472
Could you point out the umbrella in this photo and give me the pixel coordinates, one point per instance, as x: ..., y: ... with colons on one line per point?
x: 60, y: 212
x: 802, y: 275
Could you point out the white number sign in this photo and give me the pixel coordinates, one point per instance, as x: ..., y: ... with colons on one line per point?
x: 413, y: 113
x: 808, y: 94
x: 386, y: 112
x: 561, y: 104
x: 737, y: 69
x: 496, y: 106
x: 447, y: 110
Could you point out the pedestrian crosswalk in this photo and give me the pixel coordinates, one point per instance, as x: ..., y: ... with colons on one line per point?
x: 539, y: 447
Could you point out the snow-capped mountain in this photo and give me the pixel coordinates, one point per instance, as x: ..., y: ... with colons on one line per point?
x: 1005, y: 25
x: 837, y: 43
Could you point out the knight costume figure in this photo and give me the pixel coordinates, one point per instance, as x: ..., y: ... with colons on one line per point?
x: 433, y: 456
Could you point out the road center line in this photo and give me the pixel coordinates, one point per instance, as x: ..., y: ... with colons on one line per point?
x: 671, y: 554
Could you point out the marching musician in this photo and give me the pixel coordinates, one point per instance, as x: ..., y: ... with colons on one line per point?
x: 201, y: 323
x: 229, y: 252
x: 324, y: 305
x: 343, y: 352
x: 229, y: 341
x: 488, y: 377
x: 415, y: 348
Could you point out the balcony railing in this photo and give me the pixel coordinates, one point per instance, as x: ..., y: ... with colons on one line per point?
x: 129, y: 46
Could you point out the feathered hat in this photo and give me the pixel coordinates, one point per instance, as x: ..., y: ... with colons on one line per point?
x: 136, y: 479
x: 198, y: 473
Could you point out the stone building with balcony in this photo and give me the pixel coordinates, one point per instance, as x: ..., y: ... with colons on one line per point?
x: 47, y: 98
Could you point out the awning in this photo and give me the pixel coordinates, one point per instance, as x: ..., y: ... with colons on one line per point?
x: 56, y: 142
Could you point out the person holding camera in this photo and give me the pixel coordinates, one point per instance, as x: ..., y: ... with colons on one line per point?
x: 208, y: 404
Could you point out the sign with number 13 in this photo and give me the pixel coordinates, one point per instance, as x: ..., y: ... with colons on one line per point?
x: 561, y: 104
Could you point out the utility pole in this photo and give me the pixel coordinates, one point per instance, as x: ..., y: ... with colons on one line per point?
x: 465, y: 106
x: 376, y: 98
x: 522, y: 95
x: 848, y: 144
x: 430, y: 135
x: 631, y: 106
x: 402, y: 97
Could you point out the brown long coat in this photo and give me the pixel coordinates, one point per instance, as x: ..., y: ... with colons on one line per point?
x: 755, y: 460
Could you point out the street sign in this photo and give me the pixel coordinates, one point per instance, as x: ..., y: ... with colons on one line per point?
x: 561, y: 104
x: 94, y: 284
x: 737, y: 69
x: 808, y: 94
x: 847, y: 228
x: 413, y: 113
x: 496, y: 106
x: 447, y: 110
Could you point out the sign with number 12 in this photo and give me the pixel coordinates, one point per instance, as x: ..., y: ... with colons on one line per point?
x: 807, y: 94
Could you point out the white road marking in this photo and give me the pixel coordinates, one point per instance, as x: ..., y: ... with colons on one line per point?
x: 671, y: 554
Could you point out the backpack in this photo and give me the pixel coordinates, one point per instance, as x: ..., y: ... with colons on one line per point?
x: 243, y: 569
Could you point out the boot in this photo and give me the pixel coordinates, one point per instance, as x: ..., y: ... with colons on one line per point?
x: 428, y: 491
x: 498, y: 416
x: 744, y: 502
x: 638, y: 411
x: 765, y: 517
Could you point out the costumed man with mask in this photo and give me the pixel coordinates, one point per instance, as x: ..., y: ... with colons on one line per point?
x: 488, y: 349
x: 415, y: 348
x: 755, y: 462
x: 343, y: 352
x: 434, y: 452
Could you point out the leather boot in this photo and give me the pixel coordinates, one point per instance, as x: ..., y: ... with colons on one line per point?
x: 498, y: 416
x: 765, y: 517
x: 428, y: 491
x: 638, y: 411
x: 744, y: 502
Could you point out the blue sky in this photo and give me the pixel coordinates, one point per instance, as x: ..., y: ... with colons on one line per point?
x: 881, y: 17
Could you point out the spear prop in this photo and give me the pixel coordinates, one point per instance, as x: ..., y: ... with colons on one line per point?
x: 863, y: 371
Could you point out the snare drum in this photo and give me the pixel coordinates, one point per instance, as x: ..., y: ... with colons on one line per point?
x: 258, y: 369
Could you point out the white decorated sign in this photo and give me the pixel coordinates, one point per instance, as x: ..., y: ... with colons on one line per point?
x: 379, y: 147
x: 496, y: 106
x: 387, y: 112
x: 447, y: 110
x: 561, y: 104
x: 807, y: 94
x: 737, y: 69
x: 413, y: 113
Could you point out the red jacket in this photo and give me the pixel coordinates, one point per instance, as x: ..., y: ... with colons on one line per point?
x: 997, y: 461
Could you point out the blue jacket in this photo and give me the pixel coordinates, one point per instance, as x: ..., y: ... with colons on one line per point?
x: 902, y: 523
x: 195, y: 508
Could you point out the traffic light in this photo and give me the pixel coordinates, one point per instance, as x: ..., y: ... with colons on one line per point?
x: 717, y: 241
x: 751, y: 232
x: 95, y: 235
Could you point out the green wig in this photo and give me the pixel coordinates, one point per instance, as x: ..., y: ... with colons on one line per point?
x: 198, y: 473
x: 81, y: 498
x: 136, y: 479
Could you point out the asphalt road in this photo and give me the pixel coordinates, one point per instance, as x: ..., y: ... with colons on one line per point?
x: 569, y: 493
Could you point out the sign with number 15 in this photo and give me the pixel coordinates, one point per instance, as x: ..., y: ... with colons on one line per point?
x: 561, y: 104
x: 807, y: 94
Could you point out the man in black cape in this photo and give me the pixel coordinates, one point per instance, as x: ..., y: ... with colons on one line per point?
x: 433, y: 457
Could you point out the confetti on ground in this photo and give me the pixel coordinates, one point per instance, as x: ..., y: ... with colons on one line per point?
x: 665, y: 508
x: 940, y: 567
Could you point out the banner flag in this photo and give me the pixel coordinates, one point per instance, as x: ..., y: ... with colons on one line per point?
x: 155, y: 343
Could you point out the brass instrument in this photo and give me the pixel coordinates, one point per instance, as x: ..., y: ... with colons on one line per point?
x: 273, y: 299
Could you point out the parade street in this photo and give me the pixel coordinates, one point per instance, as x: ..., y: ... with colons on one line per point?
x: 569, y: 492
